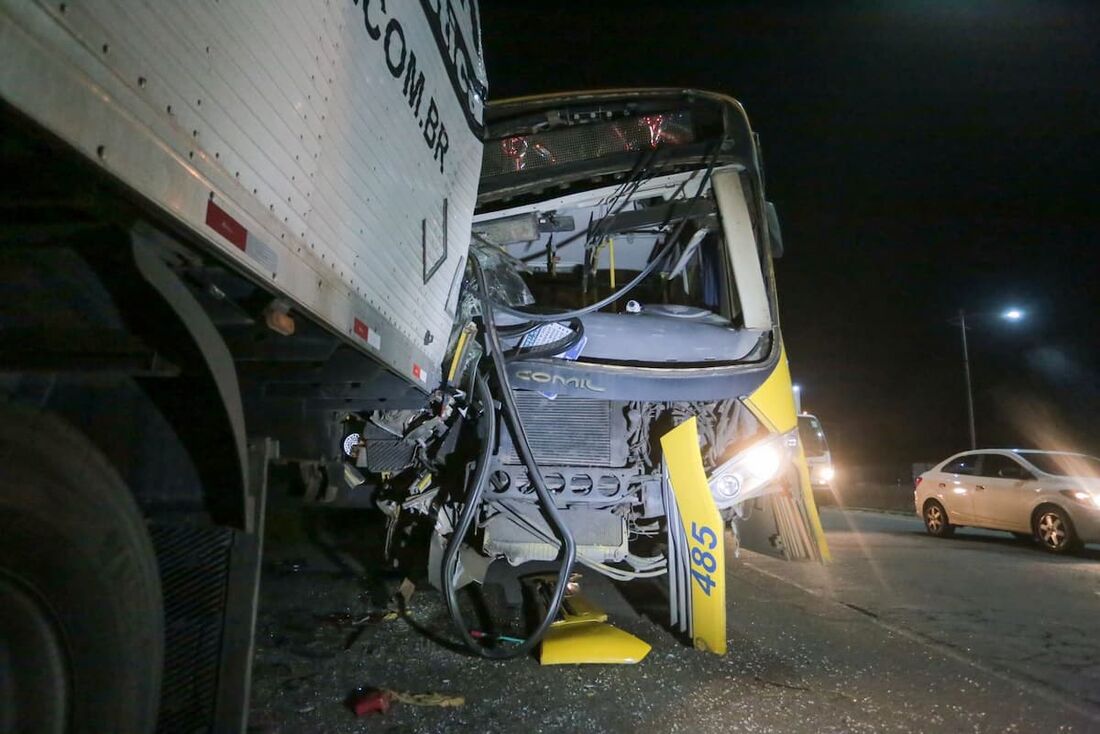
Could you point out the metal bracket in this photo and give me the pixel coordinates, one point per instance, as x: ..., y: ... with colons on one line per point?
x: 148, y: 246
x: 243, y: 596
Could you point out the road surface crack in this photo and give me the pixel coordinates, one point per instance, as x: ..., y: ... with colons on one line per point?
x: 861, y: 610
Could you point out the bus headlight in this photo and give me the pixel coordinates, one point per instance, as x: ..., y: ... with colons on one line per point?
x: 752, y: 472
x: 827, y: 474
x: 762, y: 461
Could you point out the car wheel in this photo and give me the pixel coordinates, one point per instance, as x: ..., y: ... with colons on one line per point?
x: 81, y: 621
x: 935, y: 520
x: 1054, y: 530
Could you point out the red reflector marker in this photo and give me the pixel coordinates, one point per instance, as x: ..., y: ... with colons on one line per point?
x: 219, y: 220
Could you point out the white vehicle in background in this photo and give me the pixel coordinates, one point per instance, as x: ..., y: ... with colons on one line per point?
x: 1051, y: 496
x: 818, y: 457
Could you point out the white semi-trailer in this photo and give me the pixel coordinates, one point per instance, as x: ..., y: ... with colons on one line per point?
x: 215, y: 215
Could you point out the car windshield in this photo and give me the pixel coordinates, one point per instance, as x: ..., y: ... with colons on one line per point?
x: 1064, y: 465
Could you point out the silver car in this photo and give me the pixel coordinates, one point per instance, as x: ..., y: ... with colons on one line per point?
x: 1051, y: 496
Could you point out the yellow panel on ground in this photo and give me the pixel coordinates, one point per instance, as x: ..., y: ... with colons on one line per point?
x: 590, y: 642
x: 582, y: 635
x: 705, y: 538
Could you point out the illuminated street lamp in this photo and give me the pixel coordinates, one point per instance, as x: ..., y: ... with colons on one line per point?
x: 1011, y: 314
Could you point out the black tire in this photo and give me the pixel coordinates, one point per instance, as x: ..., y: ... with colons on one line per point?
x: 936, y: 521
x: 80, y: 604
x: 1054, y: 530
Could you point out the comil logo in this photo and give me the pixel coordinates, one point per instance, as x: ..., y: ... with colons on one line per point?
x: 546, y: 378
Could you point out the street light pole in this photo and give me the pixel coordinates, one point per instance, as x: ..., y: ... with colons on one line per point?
x: 1012, y: 314
x: 969, y: 388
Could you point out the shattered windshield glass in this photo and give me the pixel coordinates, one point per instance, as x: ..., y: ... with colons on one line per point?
x: 590, y: 246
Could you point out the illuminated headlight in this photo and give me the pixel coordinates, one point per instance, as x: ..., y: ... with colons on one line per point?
x: 827, y: 474
x: 762, y: 462
x: 1085, y: 498
x: 752, y: 472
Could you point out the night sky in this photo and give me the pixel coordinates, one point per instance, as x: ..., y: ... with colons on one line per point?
x: 924, y: 157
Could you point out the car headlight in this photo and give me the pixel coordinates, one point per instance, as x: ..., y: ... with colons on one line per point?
x: 1085, y: 498
x: 827, y: 474
x: 752, y: 472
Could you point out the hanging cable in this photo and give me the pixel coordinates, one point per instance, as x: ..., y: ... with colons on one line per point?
x: 546, y: 500
x: 638, y: 176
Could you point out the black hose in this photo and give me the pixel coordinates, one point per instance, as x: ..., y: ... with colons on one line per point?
x: 516, y: 329
x: 469, y: 511
x: 523, y: 447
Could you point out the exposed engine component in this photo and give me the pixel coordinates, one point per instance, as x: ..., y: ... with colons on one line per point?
x: 515, y: 534
x: 570, y: 484
x: 570, y: 431
x: 603, y: 467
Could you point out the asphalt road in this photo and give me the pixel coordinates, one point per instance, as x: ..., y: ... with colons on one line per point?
x: 902, y: 632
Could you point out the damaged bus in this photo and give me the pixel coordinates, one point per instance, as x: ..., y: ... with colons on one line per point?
x: 620, y: 283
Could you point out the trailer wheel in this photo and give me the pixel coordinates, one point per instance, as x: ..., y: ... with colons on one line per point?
x: 81, y: 622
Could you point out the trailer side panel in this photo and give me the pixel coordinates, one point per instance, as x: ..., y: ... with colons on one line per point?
x: 328, y: 148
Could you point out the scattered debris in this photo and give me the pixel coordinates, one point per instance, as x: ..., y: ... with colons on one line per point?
x: 363, y: 701
x: 342, y: 620
x: 336, y: 619
x: 442, y: 700
x: 479, y: 635
x: 378, y: 617
x: 405, y: 590
x: 289, y: 565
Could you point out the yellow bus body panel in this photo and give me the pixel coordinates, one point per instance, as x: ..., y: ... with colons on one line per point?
x: 773, y: 404
x: 703, y: 528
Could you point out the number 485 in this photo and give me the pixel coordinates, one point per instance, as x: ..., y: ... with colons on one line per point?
x: 703, y: 561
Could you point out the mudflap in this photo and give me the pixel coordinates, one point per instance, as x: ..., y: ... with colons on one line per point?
x: 210, y: 578
x: 696, y: 543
